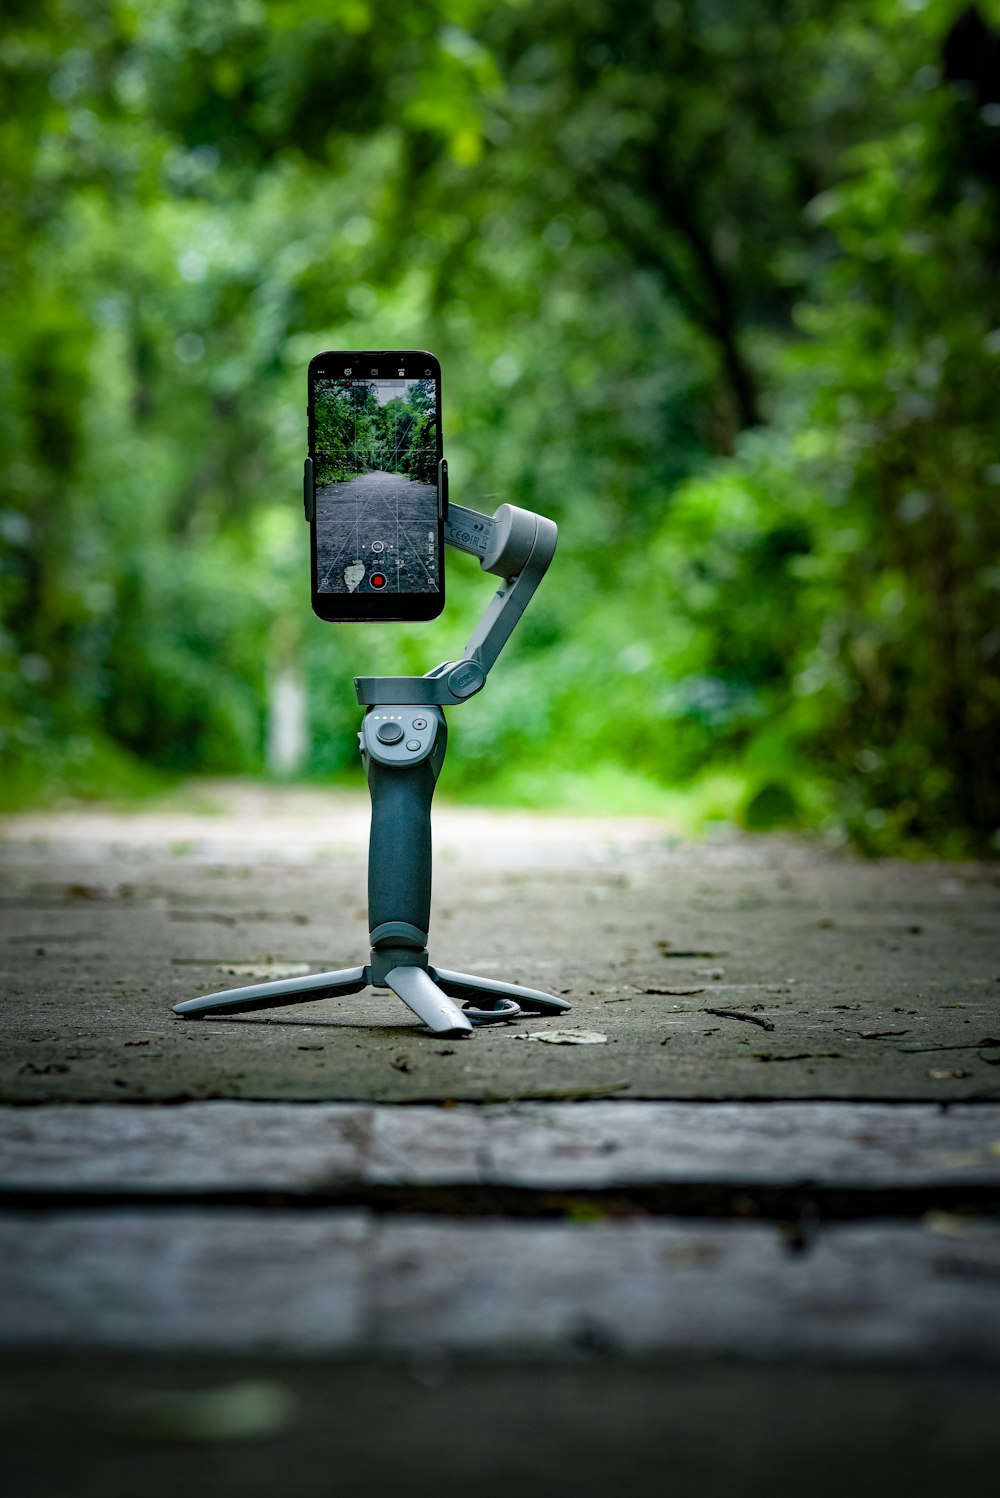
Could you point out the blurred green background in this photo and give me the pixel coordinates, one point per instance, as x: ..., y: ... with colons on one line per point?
x: 714, y: 283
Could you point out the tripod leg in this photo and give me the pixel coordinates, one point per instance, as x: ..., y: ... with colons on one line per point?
x: 468, y: 986
x: 273, y: 995
x: 420, y: 993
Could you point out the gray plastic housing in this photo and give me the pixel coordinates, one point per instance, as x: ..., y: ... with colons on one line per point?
x: 513, y: 544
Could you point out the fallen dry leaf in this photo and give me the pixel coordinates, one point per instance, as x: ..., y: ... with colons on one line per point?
x: 569, y: 1037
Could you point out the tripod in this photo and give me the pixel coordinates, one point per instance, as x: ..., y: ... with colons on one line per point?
x: 403, y: 740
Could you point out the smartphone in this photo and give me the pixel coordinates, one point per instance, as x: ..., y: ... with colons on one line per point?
x: 377, y: 476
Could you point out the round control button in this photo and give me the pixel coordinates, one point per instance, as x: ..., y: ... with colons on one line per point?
x: 378, y: 579
x: 419, y: 723
x: 388, y: 733
x: 413, y: 745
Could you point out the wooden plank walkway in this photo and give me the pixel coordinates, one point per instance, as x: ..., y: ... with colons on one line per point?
x: 135, y: 1227
x: 350, y: 1283
x: 322, y: 1149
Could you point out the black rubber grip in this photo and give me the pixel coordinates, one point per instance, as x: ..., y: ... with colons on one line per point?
x: 399, y: 851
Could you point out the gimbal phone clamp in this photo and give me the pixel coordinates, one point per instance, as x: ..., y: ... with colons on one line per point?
x: 403, y: 739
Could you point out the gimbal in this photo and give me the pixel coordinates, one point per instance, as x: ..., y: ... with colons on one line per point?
x: 403, y: 740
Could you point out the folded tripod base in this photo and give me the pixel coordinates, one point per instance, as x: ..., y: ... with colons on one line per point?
x: 429, y: 992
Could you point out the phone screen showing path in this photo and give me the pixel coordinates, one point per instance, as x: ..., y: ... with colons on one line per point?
x: 375, y: 455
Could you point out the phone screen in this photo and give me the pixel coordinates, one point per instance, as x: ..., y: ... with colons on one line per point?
x: 375, y: 443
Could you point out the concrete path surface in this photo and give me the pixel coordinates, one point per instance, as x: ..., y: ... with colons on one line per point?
x: 753, y: 968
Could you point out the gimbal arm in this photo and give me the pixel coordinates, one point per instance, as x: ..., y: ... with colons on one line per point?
x: 521, y: 546
x: 513, y: 544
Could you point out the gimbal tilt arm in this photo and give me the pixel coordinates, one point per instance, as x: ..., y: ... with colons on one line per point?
x: 516, y: 545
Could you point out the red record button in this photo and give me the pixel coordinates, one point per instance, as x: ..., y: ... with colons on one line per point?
x: 377, y: 579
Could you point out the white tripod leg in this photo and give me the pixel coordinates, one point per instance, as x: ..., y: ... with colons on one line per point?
x: 420, y: 993
x: 273, y: 995
x: 475, y: 990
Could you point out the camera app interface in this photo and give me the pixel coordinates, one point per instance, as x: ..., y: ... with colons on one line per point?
x: 375, y: 457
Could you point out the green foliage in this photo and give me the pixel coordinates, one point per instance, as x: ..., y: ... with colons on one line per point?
x: 714, y: 286
x: 418, y: 429
x: 354, y: 434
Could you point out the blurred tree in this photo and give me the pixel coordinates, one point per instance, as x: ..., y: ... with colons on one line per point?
x: 715, y: 285
x: 885, y: 472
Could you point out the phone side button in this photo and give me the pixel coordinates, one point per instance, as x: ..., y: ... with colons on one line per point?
x: 308, y: 490
x: 442, y: 489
